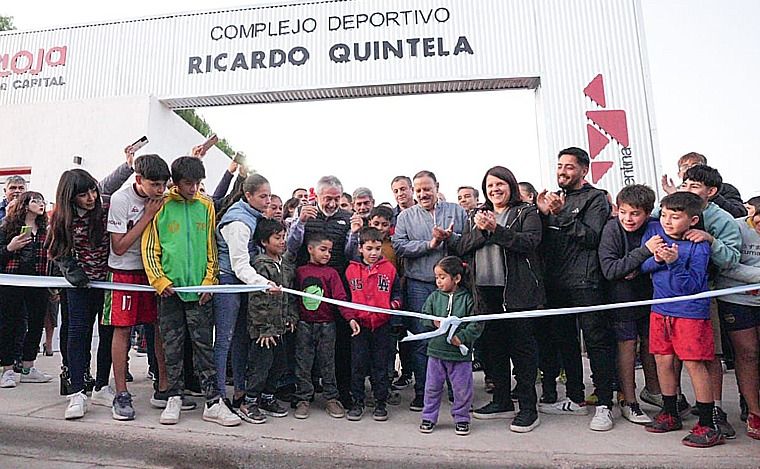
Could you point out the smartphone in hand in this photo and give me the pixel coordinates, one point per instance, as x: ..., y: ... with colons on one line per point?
x: 210, y: 142
x: 26, y: 229
x: 141, y: 142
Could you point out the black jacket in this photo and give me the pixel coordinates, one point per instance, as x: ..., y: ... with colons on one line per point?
x: 620, y: 257
x: 336, y: 227
x: 571, y: 240
x: 730, y: 200
x: 519, y: 240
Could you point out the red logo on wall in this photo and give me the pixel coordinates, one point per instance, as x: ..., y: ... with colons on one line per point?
x: 605, y: 124
x: 25, y: 61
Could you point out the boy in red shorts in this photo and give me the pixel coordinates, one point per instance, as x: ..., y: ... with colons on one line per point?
x: 131, y: 210
x: 681, y: 329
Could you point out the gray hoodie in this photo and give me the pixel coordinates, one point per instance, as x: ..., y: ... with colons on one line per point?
x: 747, y: 271
x: 414, y: 230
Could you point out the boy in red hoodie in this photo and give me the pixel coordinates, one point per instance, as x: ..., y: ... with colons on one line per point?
x: 373, y: 282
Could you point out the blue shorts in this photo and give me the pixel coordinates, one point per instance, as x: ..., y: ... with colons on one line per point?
x: 735, y: 317
x: 631, y: 330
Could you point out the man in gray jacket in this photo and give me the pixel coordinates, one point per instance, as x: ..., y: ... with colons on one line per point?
x: 421, y: 238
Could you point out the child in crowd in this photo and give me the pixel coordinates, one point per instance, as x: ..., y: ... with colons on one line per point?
x: 179, y: 250
x: 373, y: 282
x: 681, y: 330
x: 621, y: 254
x: 315, y: 332
x: 130, y: 212
x: 78, y: 243
x: 740, y: 315
x: 445, y: 359
x: 270, y: 317
x: 23, y: 309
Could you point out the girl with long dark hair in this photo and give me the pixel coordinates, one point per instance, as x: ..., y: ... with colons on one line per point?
x: 23, y: 309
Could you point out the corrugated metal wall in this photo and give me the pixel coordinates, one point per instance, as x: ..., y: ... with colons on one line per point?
x: 558, y: 46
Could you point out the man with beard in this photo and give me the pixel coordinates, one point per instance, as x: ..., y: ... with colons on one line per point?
x: 421, y: 239
x: 573, y: 222
x: 327, y: 217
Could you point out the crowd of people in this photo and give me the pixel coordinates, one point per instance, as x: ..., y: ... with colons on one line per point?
x: 519, y: 250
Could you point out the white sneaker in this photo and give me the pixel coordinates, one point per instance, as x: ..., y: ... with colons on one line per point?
x: 104, y: 396
x: 602, y: 420
x: 170, y: 415
x: 221, y: 414
x: 563, y: 407
x: 77, y: 406
x: 633, y: 413
x: 35, y: 376
x: 8, y: 380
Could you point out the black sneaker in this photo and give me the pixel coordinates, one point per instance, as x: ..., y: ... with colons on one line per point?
x: 380, y: 413
x: 720, y: 419
x: 525, y: 421
x: 237, y: 402
x: 493, y: 410
x: 250, y: 411
x: 427, y: 426
x: 402, y: 382
x: 417, y: 404
x: 462, y: 428
x: 356, y: 412
x: 548, y: 397
x: 271, y: 406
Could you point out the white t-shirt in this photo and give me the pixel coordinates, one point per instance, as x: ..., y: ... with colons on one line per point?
x: 127, y: 207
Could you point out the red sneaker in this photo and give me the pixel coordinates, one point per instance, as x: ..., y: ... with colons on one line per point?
x: 753, y: 426
x: 664, y: 422
x: 703, y: 437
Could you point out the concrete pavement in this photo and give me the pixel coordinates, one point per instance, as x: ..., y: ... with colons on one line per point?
x: 31, y: 421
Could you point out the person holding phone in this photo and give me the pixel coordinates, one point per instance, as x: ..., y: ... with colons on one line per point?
x: 22, y: 251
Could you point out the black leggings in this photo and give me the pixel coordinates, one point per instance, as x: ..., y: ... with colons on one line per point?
x: 22, y: 319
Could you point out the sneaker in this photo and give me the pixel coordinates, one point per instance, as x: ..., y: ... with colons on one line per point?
x: 493, y: 410
x: 703, y: 437
x: 563, y: 407
x: 602, y: 421
x: 632, y: 412
x: 170, y: 415
x: 159, y: 399
x: 525, y: 421
x: 219, y: 413
x: 356, y: 412
x: 103, y: 396
x: 663, y: 423
x: 427, y: 426
x: 394, y: 398
x: 302, y: 410
x: 77, y: 406
x: 651, y: 398
x: 592, y: 399
x: 8, y: 380
x: 684, y: 408
x: 33, y: 375
x: 380, y: 413
x: 402, y: 382
x: 462, y: 428
x: 271, y: 406
x: 417, y: 404
x: 548, y: 397
x: 720, y: 420
x: 250, y: 412
x: 753, y: 426
x: 335, y: 409
x: 122, y: 407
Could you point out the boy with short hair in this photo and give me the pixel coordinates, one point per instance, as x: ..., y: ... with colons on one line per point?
x: 179, y: 250
x: 315, y: 332
x: 130, y: 212
x: 621, y: 253
x: 270, y: 317
x: 682, y: 329
x: 374, y: 282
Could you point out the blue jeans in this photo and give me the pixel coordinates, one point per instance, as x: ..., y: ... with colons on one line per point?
x: 416, y: 293
x: 84, y: 306
x: 230, y: 316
